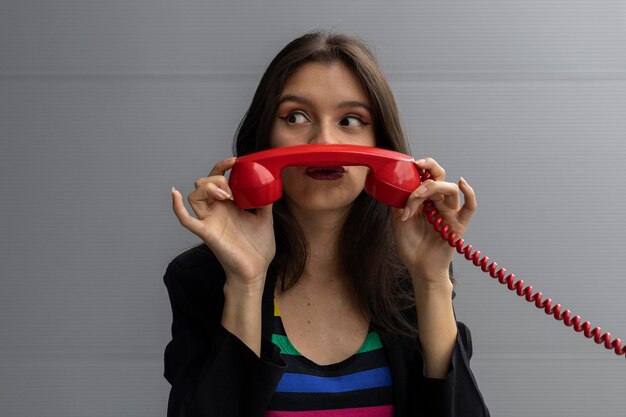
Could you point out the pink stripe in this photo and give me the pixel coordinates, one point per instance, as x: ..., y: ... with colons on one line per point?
x: 381, y: 411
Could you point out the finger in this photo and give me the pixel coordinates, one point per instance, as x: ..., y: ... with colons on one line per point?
x: 444, y: 194
x: 413, y: 203
x: 222, y: 166
x: 436, y: 191
x: 415, y: 200
x: 212, y: 190
x: 470, y: 205
x: 219, y: 180
x: 436, y: 171
x: 182, y: 214
x: 440, y: 192
x: 201, y: 198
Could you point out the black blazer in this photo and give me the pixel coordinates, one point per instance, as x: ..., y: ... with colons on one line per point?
x: 213, y: 373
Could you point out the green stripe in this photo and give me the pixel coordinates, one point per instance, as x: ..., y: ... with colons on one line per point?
x: 286, y: 348
x: 372, y: 342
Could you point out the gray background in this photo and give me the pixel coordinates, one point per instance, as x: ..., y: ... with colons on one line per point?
x: 104, y: 105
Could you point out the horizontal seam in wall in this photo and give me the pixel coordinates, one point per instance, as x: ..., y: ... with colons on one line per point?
x: 391, y: 76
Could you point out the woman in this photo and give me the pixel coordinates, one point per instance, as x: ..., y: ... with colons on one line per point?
x: 327, y: 302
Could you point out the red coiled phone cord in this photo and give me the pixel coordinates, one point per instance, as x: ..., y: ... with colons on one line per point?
x: 518, y: 286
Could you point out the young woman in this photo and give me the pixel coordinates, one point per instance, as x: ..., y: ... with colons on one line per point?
x: 326, y: 303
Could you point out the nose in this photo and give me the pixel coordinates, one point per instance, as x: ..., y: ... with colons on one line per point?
x: 325, y: 134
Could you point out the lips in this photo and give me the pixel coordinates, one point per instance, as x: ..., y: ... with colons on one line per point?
x: 325, y: 173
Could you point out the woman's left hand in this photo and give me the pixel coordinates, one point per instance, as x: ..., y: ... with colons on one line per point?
x: 420, y: 247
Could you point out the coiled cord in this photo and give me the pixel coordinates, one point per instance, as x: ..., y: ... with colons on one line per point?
x: 518, y: 286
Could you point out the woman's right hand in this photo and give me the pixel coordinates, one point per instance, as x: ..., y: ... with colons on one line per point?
x: 242, y: 241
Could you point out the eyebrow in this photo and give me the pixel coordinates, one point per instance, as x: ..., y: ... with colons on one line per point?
x: 302, y: 100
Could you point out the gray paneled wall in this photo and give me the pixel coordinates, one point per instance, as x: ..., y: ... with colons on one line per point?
x: 104, y: 105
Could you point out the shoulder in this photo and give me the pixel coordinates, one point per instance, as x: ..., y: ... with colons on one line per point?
x: 195, y: 272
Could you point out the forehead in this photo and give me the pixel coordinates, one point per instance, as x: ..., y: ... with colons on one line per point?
x: 325, y: 82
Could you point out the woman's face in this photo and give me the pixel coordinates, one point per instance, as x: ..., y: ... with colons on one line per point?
x: 323, y: 103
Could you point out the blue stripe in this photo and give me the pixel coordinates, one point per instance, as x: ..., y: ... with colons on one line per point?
x: 373, y: 378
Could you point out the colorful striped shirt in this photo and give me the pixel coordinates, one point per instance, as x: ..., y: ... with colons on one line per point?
x: 357, y: 386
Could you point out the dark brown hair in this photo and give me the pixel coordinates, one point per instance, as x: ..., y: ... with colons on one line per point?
x: 380, y: 282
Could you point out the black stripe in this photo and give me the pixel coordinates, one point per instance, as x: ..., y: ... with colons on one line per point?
x: 356, y: 363
x: 286, y: 401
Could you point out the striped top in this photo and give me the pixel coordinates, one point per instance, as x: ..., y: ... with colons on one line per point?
x: 357, y: 386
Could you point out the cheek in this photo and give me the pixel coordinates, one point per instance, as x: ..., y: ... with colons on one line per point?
x: 282, y: 137
x: 359, y: 173
x: 273, y: 137
x: 278, y: 137
x: 289, y: 175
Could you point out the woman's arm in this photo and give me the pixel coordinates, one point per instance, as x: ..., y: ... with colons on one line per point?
x: 212, y: 372
x: 242, y: 311
x: 427, y: 257
x: 436, y: 324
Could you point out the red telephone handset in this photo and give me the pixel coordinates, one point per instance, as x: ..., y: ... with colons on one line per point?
x: 255, y: 179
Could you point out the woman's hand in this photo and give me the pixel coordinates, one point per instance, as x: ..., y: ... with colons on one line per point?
x: 242, y: 241
x: 420, y: 247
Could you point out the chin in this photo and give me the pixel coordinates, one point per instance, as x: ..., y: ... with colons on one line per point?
x: 323, y: 201
x: 310, y: 194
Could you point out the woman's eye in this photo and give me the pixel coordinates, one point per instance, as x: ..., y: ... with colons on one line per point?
x: 352, y: 121
x: 295, y: 118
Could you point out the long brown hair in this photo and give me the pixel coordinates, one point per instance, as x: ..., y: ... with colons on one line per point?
x: 380, y: 282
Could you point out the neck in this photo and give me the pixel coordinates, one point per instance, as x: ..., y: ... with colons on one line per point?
x: 321, y: 230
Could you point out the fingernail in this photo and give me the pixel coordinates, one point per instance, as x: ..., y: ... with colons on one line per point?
x: 421, y: 190
x: 223, y: 193
x: 463, y: 180
x: 421, y: 161
x: 173, y: 189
